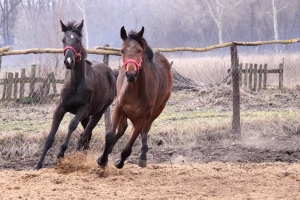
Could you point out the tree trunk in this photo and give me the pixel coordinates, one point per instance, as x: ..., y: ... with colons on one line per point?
x: 275, y: 22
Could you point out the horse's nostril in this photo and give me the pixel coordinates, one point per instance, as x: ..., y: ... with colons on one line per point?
x: 68, y: 61
x: 131, y: 74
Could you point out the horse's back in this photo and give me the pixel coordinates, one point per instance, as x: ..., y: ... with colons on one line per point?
x: 103, y: 70
x: 164, y: 69
x: 106, y: 79
x: 161, y: 61
x: 165, y: 80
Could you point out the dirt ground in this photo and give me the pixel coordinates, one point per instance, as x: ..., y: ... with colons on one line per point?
x: 214, y: 180
x: 260, y: 167
x: 221, y: 170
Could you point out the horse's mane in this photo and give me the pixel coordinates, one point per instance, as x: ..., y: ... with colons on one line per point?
x: 72, y: 26
x: 142, y: 41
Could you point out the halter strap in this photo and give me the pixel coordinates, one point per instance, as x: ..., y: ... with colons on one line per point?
x: 77, y: 55
x: 139, y: 65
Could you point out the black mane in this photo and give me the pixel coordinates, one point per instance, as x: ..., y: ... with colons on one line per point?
x: 148, y: 51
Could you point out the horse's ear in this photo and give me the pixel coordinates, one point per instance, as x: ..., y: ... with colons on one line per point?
x: 80, y: 25
x: 141, y: 32
x: 123, y: 33
x: 63, y: 27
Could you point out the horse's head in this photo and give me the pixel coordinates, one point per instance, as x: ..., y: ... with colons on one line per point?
x: 132, y: 52
x: 72, y: 43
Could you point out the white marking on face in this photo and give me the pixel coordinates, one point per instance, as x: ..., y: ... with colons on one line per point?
x: 72, y: 36
x: 130, y: 48
x: 69, y: 60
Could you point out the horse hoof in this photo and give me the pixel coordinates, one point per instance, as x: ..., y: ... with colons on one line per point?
x: 119, y: 164
x: 37, y: 167
x: 142, y: 163
x: 101, y: 164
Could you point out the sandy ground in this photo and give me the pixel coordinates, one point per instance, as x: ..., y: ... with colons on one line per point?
x: 255, y: 168
x: 78, y: 177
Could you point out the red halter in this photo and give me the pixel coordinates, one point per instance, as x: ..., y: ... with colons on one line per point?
x: 77, y: 55
x: 139, y: 65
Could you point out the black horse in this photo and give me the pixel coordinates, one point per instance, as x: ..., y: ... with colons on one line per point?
x: 86, y: 93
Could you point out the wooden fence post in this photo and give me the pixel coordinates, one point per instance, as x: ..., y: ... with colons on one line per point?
x: 255, y: 77
x: 246, y: 75
x: 52, y: 80
x: 32, y: 79
x: 250, y: 76
x: 236, y: 126
x: 265, y: 76
x: 48, y: 82
x: 241, y: 74
x: 280, y: 75
x: 22, y: 83
x: 107, y: 116
x: 4, y: 86
x: 9, y: 85
x: 16, y: 80
x: 260, y: 76
x: 0, y: 63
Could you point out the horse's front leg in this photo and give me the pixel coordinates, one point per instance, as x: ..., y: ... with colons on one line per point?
x: 57, y: 117
x: 137, y: 128
x: 81, y: 114
x: 143, y: 157
x: 110, y: 138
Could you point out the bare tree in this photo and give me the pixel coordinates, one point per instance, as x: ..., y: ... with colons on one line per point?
x: 275, y: 11
x: 8, y: 10
x: 218, y: 11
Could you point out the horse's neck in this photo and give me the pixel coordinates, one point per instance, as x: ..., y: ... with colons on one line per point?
x: 78, y: 71
x: 141, y: 81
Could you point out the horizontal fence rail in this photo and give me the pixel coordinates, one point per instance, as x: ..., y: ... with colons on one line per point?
x: 4, y: 51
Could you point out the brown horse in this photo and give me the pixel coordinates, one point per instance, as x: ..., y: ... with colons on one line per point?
x: 86, y: 94
x: 144, y: 86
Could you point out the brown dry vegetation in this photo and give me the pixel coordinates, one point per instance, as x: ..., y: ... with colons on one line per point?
x: 191, y: 153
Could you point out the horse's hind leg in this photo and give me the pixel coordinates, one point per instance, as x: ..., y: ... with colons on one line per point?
x: 84, y: 124
x: 85, y: 137
x: 120, y: 132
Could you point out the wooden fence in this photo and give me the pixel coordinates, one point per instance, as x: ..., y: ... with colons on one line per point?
x: 235, y: 70
x: 14, y: 86
x: 255, y: 76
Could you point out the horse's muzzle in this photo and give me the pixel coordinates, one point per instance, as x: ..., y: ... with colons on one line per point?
x: 69, y: 62
x: 131, y: 77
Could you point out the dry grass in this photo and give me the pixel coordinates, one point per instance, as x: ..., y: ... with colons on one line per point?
x: 190, y: 118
